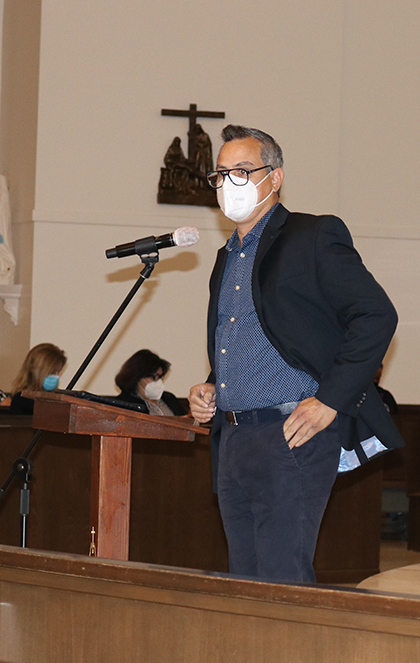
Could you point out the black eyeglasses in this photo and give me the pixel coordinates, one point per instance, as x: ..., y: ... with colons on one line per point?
x: 156, y: 377
x: 216, y: 177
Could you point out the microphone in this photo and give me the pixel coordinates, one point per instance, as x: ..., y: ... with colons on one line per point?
x: 181, y: 237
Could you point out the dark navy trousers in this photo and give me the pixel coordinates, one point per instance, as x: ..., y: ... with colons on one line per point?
x: 272, y: 498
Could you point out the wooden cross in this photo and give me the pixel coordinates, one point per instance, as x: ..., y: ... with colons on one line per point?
x: 192, y: 114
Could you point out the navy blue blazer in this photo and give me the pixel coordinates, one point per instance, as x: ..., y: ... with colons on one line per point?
x: 325, y: 314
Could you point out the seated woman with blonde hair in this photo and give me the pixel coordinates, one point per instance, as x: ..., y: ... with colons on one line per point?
x: 40, y: 371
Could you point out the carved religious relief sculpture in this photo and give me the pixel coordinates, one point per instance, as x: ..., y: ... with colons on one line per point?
x: 183, y: 179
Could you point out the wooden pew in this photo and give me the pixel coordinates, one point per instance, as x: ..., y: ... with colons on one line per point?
x: 73, y: 609
x: 402, y: 468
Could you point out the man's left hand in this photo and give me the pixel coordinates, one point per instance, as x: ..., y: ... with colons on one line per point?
x: 309, y: 417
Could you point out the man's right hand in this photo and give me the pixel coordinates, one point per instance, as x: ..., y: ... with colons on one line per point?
x: 202, y: 400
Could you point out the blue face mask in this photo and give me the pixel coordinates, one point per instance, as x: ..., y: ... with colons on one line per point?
x: 51, y: 382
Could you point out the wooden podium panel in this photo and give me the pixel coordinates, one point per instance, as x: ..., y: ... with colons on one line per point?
x: 112, y: 429
x: 75, y: 610
x: 110, y: 495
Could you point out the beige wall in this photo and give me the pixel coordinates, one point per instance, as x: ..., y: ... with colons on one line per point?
x: 335, y: 82
x: 18, y: 128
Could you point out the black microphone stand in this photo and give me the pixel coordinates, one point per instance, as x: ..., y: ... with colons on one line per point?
x: 22, y: 466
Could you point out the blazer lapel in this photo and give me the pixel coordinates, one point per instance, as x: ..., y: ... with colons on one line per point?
x: 215, y: 284
x: 271, y: 232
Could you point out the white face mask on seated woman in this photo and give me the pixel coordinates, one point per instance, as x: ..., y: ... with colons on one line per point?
x: 154, y: 390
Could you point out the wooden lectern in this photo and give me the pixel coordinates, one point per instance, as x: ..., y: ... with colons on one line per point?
x: 112, y: 430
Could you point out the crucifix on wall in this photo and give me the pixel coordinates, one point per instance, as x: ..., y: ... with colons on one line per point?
x: 183, y: 179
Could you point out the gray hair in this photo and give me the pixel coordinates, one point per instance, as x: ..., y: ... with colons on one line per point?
x: 271, y: 152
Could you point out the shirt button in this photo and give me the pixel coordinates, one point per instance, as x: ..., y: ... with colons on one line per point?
x: 242, y: 255
x: 232, y: 319
x: 223, y: 385
x: 223, y: 351
x: 237, y: 287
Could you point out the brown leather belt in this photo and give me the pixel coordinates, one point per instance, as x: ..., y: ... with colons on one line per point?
x: 262, y: 416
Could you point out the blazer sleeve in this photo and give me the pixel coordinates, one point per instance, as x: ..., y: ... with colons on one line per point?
x: 364, y: 311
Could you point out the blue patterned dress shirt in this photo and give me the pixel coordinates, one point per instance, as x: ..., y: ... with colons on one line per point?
x: 250, y: 372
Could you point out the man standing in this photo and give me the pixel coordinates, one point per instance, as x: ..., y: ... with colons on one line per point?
x: 297, y: 328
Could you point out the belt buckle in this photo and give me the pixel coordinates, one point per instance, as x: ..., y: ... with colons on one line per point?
x: 231, y: 417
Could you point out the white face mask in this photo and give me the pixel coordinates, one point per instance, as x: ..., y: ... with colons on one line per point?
x: 154, y: 390
x: 238, y: 202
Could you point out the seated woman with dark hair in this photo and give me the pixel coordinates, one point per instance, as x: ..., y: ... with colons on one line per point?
x: 141, y: 381
x: 40, y: 371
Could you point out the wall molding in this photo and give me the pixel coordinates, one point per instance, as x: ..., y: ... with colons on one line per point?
x: 168, y: 220
x: 203, y: 218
